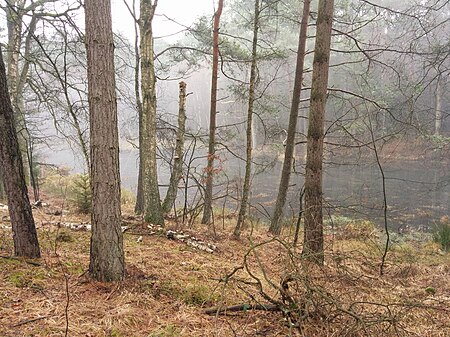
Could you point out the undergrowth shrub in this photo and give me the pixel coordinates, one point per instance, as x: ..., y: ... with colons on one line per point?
x: 441, y: 236
x: 81, y: 193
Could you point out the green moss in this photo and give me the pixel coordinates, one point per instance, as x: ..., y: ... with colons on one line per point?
x: 169, y: 330
x: 19, y: 280
x: 115, y: 333
x: 430, y: 290
x: 160, y: 288
x: 198, y: 294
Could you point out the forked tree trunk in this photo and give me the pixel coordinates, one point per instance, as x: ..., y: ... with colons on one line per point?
x: 207, y: 208
x: 152, y: 203
x: 177, y: 169
x: 24, y: 230
x: 275, y: 225
x: 249, y: 132
x: 106, y: 256
x: 313, y: 238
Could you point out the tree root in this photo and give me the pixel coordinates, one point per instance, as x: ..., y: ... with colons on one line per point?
x: 36, y: 264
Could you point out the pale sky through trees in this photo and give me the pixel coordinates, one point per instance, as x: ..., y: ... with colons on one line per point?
x: 183, y: 11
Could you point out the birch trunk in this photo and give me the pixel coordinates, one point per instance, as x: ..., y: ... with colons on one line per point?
x: 177, y: 169
x: 438, y: 109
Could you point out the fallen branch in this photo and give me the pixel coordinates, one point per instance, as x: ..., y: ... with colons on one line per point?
x: 29, y: 321
x: 191, y: 241
x: 241, y: 307
x: 177, y: 236
x: 76, y: 226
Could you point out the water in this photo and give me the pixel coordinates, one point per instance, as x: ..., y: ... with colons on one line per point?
x: 417, y: 192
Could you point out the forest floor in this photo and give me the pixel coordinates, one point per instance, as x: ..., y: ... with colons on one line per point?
x: 170, y: 284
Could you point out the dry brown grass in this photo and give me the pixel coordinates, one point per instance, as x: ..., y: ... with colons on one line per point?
x: 169, y: 285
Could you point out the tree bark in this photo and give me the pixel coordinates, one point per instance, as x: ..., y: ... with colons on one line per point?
x: 438, y: 109
x: 152, y: 203
x: 2, y: 189
x: 106, y: 256
x: 207, y: 208
x: 15, y: 10
x: 24, y: 230
x: 313, y: 238
x: 177, y: 169
x: 139, y: 207
x: 249, y: 132
x: 275, y: 225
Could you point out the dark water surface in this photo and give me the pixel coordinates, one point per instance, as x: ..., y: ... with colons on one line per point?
x: 417, y: 192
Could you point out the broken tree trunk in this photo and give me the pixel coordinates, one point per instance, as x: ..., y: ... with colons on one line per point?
x: 177, y: 169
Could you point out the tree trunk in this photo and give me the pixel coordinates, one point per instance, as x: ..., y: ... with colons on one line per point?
x: 177, y: 169
x: 107, y: 256
x: 152, y: 203
x: 24, y: 230
x: 15, y: 11
x: 438, y: 109
x: 313, y: 238
x: 2, y: 189
x: 207, y: 208
x: 139, y: 207
x: 275, y: 225
x: 249, y: 133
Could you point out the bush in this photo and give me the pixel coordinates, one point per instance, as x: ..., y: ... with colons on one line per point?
x: 441, y: 236
x: 82, y: 196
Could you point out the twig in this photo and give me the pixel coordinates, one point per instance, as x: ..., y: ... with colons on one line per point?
x: 385, y: 206
x: 112, y: 292
x: 29, y: 321
x: 66, y: 309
